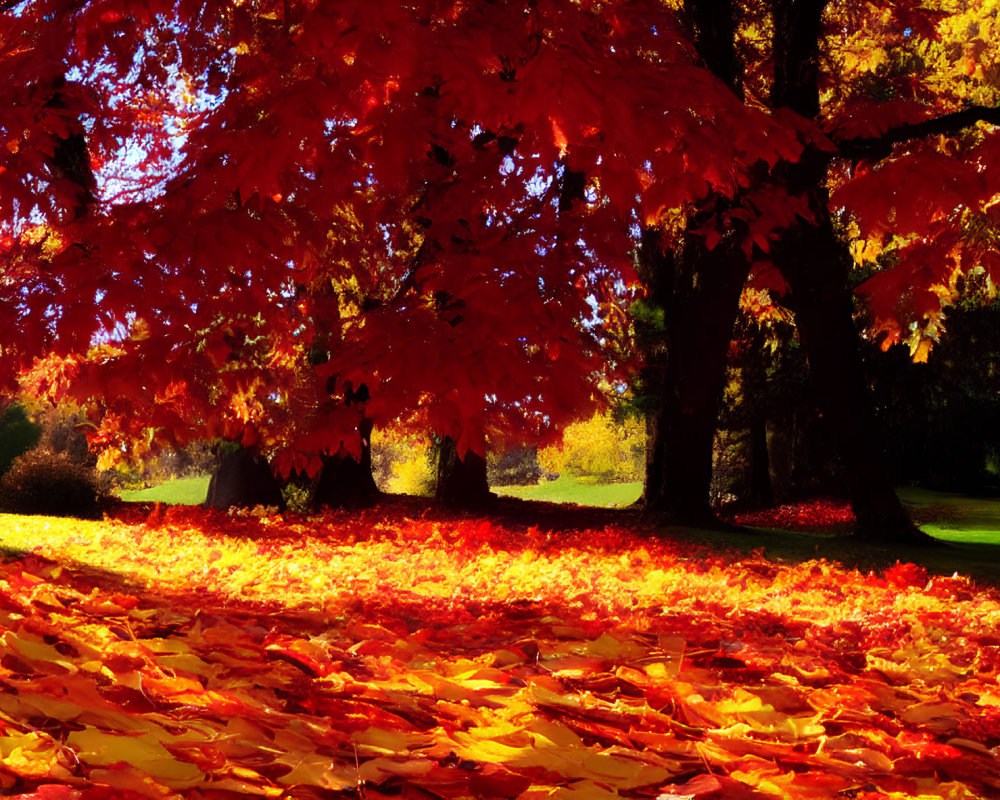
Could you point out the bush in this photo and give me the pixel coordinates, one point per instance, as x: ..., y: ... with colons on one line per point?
x: 403, y: 463
x: 43, y: 482
x: 516, y: 467
x: 63, y: 432
x: 414, y: 474
x: 599, y: 450
x: 18, y: 434
x: 297, y: 495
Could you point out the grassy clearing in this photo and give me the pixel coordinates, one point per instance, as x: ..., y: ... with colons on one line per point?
x: 192, y: 491
x: 180, y: 491
x: 568, y: 490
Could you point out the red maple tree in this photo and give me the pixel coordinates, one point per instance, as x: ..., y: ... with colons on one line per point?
x: 224, y: 220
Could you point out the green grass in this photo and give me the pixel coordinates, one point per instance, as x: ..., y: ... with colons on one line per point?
x: 180, y: 491
x: 966, y: 519
x: 568, y: 490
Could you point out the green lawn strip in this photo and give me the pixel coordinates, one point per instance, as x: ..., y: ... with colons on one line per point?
x: 972, y: 520
x: 180, y: 491
x: 568, y: 490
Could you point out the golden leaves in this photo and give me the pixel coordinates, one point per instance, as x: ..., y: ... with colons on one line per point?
x: 314, y: 656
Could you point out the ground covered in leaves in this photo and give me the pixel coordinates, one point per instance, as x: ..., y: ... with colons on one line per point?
x: 199, y: 655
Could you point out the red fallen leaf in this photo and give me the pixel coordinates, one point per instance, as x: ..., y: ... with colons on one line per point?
x: 205, y: 757
x: 50, y: 791
x: 710, y: 787
x: 121, y: 662
x: 306, y: 656
x: 495, y: 781
x: 905, y: 576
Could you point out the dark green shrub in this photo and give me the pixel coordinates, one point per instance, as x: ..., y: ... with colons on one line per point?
x: 43, y: 482
x: 516, y: 467
x: 18, y: 434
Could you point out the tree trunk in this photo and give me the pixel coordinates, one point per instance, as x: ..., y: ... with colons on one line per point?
x: 814, y: 262
x: 461, y: 483
x: 761, y: 494
x: 345, y: 482
x: 698, y: 291
x: 243, y: 479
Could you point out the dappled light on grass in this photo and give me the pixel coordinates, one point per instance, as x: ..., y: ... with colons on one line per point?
x: 208, y: 656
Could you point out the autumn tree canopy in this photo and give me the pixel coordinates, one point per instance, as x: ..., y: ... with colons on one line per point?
x: 245, y: 207
x: 224, y: 218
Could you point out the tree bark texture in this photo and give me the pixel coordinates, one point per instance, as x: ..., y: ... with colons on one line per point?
x: 815, y: 264
x: 761, y: 493
x: 698, y: 291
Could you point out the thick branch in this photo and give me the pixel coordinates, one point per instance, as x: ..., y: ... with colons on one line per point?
x: 879, y: 147
x: 797, y: 32
x: 714, y: 24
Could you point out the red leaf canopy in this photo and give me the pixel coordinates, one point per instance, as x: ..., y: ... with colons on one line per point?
x: 218, y: 218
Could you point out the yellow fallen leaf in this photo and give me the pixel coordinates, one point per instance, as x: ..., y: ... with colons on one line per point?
x: 32, y: 755
x: 608, y: 646
x: 245, y: 788
x: 379, y: 770
x: 144, y: 751
x: 938, y: 717
x: 583, y: 790
x: 43, y: 657
x: 382, y: 742
x: 312, y: 769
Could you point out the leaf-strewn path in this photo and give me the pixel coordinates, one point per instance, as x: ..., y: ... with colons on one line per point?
x: 206, y: 656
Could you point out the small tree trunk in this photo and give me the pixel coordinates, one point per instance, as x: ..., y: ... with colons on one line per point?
x: 780, y: 434
x: 345, y: 482
x: 761, y: 494
x: 462, y: 483
x: 243, y: 479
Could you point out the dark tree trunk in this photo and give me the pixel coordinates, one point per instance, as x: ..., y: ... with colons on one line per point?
x: 346, y: 482
x: 243, y: 479
x: 761, y: 494
x: 713, y: 23
x: 780, y: 456
x: 815, y: 263
x: 461, y: 483
x: 698, y: 291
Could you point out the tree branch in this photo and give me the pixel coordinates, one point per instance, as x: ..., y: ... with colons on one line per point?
x: 879, y: 147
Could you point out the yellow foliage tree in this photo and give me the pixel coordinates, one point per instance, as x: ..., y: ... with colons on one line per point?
x: 403, y: 463
x: 599, y: 450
